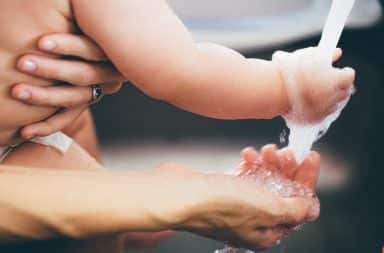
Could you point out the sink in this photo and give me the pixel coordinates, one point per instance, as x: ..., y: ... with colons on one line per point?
x: 256, y: 24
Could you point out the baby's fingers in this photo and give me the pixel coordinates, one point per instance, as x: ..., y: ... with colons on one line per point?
x: 344, y: 78
x: 308, y: 172
x: 337, y: 54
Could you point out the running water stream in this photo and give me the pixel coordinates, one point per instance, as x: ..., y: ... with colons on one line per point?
x: 302, y: 136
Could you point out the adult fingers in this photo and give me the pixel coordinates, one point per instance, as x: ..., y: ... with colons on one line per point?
x: 73, y: 45
x: 249, y: 155
x: 69, y: 71
x: 308, y: 172
x: 55, y: 96
x: 270, y: 159
x: 287, y: 162
x: 53, y: 124
x: 263, y: 239
x: 59, y: 96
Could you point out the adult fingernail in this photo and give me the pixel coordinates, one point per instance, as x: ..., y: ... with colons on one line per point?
x: 48, y: 45
x: 29, y: 136
x: 24, y: 95
x: 29, y: 66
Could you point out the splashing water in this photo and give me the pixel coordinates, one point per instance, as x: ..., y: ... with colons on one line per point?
x: 301, y: 136
x: 275, y: 183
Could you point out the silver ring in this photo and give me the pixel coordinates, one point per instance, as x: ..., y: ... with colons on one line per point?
x: 97, y: 94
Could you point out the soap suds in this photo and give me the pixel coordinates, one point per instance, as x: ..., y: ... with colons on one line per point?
x: 302, y: 135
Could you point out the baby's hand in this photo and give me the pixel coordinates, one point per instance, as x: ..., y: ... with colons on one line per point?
x: 314, y: 87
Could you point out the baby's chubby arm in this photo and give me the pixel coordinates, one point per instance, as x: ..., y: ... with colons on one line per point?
x: 154, y: 50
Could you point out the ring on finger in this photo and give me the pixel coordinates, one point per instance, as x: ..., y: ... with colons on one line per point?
x: 97, y: 94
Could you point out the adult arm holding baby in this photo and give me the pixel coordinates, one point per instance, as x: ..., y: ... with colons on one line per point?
x: 195, y: 77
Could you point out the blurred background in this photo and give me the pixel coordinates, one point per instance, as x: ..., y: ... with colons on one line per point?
x: 137, y: 132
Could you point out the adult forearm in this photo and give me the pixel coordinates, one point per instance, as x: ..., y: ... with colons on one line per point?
x: 40, y: 204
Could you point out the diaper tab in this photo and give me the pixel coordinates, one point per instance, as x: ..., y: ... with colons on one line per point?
x: 58, y: 141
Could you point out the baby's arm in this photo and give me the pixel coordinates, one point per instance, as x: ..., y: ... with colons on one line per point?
x: 154, y: 50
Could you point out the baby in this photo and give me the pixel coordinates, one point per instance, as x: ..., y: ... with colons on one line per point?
x: 152, y: 48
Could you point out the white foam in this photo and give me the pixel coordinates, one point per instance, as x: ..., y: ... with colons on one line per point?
x: 302, y: 136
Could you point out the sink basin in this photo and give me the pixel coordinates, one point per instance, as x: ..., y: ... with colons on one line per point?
x: 256, y: 24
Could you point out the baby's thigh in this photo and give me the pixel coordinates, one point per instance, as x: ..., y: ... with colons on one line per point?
x: 34, y: 155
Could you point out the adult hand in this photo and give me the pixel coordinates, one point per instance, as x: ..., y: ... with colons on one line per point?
x: 240, y: 212
x: 86, y: 66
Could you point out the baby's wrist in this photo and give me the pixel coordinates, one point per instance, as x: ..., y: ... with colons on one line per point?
x: 285, y: 102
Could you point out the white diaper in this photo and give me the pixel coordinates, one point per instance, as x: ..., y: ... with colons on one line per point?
x: 58, y: 140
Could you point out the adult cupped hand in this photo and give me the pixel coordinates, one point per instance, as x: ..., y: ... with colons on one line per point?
x: 81, y: 65
x: 242, y: 213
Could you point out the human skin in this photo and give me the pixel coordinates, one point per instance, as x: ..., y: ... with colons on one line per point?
x: 84, y: 202
x: 202, y: 78
x: 18, y: 38
x: 196, y: 77
x: 82, y: 131
x: 69, y: 97
x: 34, y: 115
